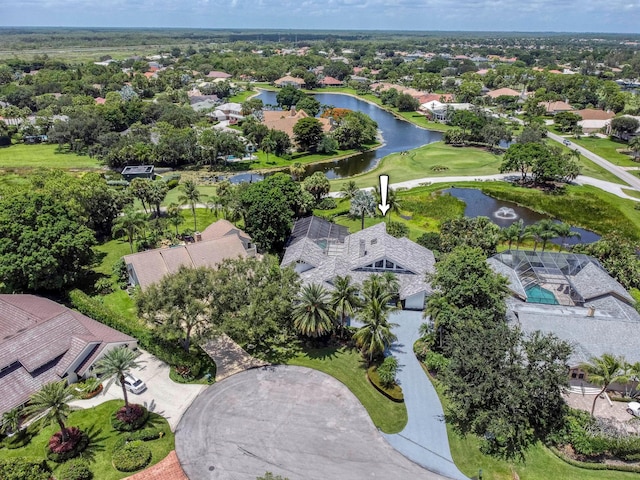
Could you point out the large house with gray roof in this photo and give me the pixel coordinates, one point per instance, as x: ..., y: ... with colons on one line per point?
x: 42, y: 341
x: 320, y: 250
x: 572, y: 296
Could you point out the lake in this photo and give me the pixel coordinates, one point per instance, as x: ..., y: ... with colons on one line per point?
x: 503, y: 214
x: 399, y: 135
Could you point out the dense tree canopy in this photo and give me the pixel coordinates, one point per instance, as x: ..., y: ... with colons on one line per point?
x: 43, y: 246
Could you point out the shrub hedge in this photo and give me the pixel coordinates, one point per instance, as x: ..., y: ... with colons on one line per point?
x: 132, y: 456
x: 595, y: 466
x: 394, y: 393
x: 134, y: 419
x: 76, y: 469
x: 59, y: 452
x: 23, y: 469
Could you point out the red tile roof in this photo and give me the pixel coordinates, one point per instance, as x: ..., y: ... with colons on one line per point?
x: 330, y: 81
x: 41, y: 341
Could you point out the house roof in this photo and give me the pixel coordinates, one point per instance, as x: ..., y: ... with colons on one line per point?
x: 285, y: 120
x: 40, y: 342
x: 220, y: 241
x: 288, y: 79
x: 354, y: 255
x: 330, y: 81
x: 503, y: 91
x: 216, y: 74
x: 557, y: 106
x: 594, y: 114
x: 588, y: 336
x: 593, y: 282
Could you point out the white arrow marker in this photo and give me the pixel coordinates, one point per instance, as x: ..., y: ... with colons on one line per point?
x: 384, y: 190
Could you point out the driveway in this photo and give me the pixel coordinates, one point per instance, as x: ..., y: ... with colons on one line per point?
x: 424, y: 440
x: 292, y: 421
x: 162, y: 396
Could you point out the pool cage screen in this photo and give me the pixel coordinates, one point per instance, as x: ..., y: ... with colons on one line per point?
x: 546, y: 276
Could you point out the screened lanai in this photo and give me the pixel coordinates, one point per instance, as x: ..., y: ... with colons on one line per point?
x: 547, y: 277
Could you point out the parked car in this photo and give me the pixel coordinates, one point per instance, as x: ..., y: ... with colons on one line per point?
x: 133, y: 384
x: 566, y: 142
x: 633, y: 408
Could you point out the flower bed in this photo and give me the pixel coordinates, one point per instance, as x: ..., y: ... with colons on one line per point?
x: 394, y: 393
x: 60, y: 451
x: 131, y: 456
x: 125, y: 420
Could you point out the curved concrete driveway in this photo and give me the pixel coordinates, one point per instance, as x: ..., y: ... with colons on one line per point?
x: 424, y: 440
x: 292, y: 421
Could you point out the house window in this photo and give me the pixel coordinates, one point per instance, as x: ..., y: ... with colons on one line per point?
x: 390, y: 265
x: 380, y: 264
x: 573, y: 375
x: 581, y: 375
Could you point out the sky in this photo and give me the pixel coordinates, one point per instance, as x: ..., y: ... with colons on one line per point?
x: 611, y: 16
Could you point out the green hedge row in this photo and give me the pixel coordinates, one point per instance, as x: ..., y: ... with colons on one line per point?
x: 594, y: 466
x: 167, y: 351
x: 395, y: 393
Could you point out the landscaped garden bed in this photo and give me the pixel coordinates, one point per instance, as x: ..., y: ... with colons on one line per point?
x: 103, y: 440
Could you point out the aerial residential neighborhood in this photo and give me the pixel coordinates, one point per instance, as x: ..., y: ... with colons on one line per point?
x: 297, y: 253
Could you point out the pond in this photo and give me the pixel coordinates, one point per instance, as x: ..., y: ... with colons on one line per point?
x: 399, y: 135
x: 503, y: 214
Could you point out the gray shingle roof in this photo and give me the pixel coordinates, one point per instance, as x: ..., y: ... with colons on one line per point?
x: 359, y: 250
x: 589, y: 336
x: 515, y: 285
x: 592, y: 282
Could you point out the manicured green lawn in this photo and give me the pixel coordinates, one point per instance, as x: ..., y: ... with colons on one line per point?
x: 348, y: 366
x: 206, y: 192
x: 589, y: 168
x: 97, y: 424
x: 241, y: 97
x: 607, y: 149
x: 274, y: 161
x: 418, y: 163
x: 43, y: 156
x: 631, y: 193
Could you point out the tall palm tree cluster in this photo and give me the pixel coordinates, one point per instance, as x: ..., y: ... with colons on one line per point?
x: 319, y: 312
x: 541, y: 232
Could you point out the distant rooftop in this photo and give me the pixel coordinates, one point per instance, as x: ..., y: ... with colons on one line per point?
x: 137, y: 169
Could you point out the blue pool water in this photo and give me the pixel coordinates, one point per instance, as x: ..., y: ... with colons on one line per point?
x: 537, y: 294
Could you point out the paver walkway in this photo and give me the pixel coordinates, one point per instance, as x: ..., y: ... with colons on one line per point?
x: 424, y: 440
x: 230, y: 358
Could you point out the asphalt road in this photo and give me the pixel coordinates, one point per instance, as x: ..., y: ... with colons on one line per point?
x: 291, y: 421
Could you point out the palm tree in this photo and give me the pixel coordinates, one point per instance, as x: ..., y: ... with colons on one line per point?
x: 344, y: 299
x: 313, y: 315
x: 115, y: 364
x: 53, y: 399
x: 563, y: 230
x: 395, y: 205
x: 11, y: 421
x: 603, y: 371
x: 375, y: 336
x: 174, y: 215
x: 634, y: 145
x: 510, y: 234
x: 547, y: 231
x: 436, y: 307
x: 349, y: 189
x: 191, y: 196
x: 296, y: 170
x: 268, y: 146
x: 523, y: 233
x: 129, y: 223
x: 363, y: 203
x: 391, y: 283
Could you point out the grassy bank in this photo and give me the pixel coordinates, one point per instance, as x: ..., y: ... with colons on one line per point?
x: 607, y: 149
x: 22, y: 157
x: 347, y: 366
x: 97, y: 424
x: 585, y: 206
x: 433, y: 160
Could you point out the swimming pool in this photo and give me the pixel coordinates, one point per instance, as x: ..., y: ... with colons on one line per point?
x: 537, y: 294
